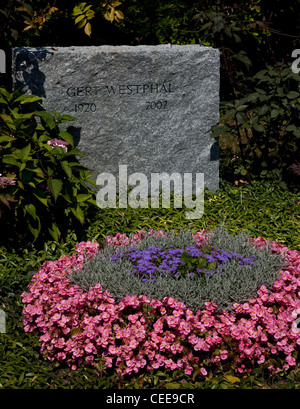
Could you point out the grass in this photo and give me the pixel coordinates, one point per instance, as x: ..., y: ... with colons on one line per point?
x: 261, y: 209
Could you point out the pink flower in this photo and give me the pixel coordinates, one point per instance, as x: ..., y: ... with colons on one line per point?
x: 203, y: 371
x: 89, y: 347
x: 6, y: 181
x: 61, y: 356
x: 290, y: 360
x: 224, y: 354
x: 75, y: 326
x: 58, y: 142
x: 261, y: 359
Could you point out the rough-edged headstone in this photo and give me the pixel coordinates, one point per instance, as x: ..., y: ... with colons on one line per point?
x: 148, y: 107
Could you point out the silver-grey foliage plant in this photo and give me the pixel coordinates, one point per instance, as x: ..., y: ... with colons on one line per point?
x: 239, y: 284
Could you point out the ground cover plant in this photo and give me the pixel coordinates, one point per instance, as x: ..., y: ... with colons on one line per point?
x: 259, y: 209
x: 139, y: 332
x: 175, y: 264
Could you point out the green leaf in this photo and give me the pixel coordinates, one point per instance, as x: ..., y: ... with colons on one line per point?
x: 263, y: 110
x: 79, y: 18
x: 213, y: 265
x: 291, y: 128
x: 66, y: 168
x: 25, y: 99
x: 36, y: 170
x: 293, y: 94
x: 54, y: 231
x: 6, y: 138
x: 35, y: 231
x: 242, y: 107
x: 82, y: 197
x: 171, y: 385
x: 242, y: 57
x: 30, y: 208
x: 242, y: 119
x: 76, y: 152
x: 67, y: 118
x: 3, y: 101
x: 232, y: 379
x: 88, y: 29
x: 274, y: 113
x: 7, y: 94
x: 78, y: 213
x: 66, y: 136
x: 82, y: 23
x: 77, y: 10
x: 259, y: 127
x: 297, y: 133
x: 55, y: 186
x: 6, y: 118
x: 24, y: 153
x: 41, y: 196
x: 10, y: 160
x: 47, y: 118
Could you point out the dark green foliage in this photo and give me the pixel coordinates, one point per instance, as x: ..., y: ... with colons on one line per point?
x: 44, y: 190
x: 238, y: 284
x: 265, y: 125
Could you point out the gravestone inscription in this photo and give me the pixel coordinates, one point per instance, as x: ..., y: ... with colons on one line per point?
x: 148, y: 107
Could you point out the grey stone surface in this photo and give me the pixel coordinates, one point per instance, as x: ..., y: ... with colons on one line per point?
x: 148, y: 107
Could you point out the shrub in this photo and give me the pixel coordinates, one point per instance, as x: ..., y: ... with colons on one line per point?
x: 43, y: 188
x: 264, y: 127
x: 235, y: 282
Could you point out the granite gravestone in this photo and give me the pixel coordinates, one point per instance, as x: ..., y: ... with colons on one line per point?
x: 148, y: 107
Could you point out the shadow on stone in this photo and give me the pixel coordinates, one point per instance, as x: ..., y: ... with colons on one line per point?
x: 214, y: 152
x: 75, y: 131
x: 27, y: 71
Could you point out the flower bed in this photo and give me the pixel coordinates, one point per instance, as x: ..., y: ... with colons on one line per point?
x: 138, y: 333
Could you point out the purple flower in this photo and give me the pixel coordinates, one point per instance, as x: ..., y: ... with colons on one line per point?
x: 148, y: 264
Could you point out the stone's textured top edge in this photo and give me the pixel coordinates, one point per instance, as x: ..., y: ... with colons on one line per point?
x: 119, y: 48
